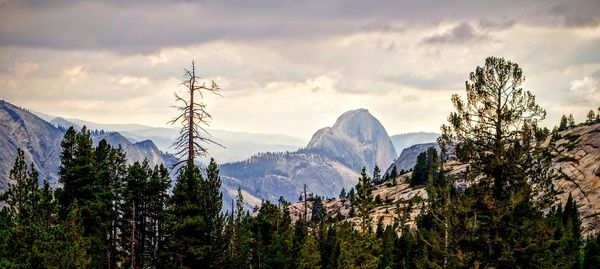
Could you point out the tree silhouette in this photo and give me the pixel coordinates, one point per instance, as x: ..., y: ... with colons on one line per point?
x: 193, y: 116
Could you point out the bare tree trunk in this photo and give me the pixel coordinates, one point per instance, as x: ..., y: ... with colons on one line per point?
x: 191, y: 118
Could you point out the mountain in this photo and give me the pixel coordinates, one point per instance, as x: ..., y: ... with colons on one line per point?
x: 41, y: 140
x: 402, y: 141
x: 331, y: 161
x: 357, y: 139
x: 133, y: 151
x: 408, y: 157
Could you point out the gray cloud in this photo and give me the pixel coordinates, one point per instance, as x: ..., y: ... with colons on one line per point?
x: 577, y: 13
x: 134, y: 26
x: 496, y: 24
x: 460, y: 34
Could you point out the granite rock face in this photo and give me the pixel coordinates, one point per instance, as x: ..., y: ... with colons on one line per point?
x: 40, y: 140
x: 577, y: 161
x: 357, y: 139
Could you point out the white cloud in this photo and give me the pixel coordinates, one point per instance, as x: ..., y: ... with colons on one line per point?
x: 74, y: 74
x: 587, y: 88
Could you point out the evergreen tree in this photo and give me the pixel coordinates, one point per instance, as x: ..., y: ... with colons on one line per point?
x: 563, y: 123
x: 591, y: 117
x: 592, y: 252
x: 80, y: 183
x: 309, y: 257
x: 492, y: 133
x: 239, y: 254
x: 571, y: 121
x: 343, y: 194
x: 357, y: 251
x: 210, y: 208
x: 376, y: 175
x: 187, y: 224
x: 110, y: 169
x: 364, y: 200
x: 31, y: 235
x: 426, y: 168
x: 394, y: 174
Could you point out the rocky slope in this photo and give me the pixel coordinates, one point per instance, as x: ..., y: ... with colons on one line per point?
x: 576, y: 161
x: 40, y: 140
x: 356, y: 139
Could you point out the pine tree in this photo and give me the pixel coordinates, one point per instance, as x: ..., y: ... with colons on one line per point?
x: 110, y: 169
x: 357, y: 250
x: 210, y: 210
x: 492, y: 133
x: 426, y: 168
x: 394, y: 174
x: 364, y: 200
x: 592, y: 252
x: 309, y: 257
x: 591, y: 117
x: 81, y: 183
x: 187, y: 223
x: 571, y: 121
x: 31, y: 234
x: 376, y: 175
x: 563, y: 123
x: 343, y: 194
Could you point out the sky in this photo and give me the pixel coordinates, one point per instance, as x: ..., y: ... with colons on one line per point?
x: 289, y: 66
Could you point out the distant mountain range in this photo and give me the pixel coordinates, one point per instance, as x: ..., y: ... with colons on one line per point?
x: 264, y: 166
x: 237, y: 145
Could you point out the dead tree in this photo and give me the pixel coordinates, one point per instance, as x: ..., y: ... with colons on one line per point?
x: 194, y: 118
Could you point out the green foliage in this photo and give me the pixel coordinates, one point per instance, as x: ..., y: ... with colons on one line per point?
x: 426, y: 168
x: 590, y: 117
x: 563, y: 123
x: 364, y: 199
x: 343, y: 194
x: 498, y: 220
x: 31, y: 234
x: 592, y: 252
x: 376, y: 175
x: 309, y: 257
x: 357, y: 250
x: 571, y: 121
x: 197, y: 222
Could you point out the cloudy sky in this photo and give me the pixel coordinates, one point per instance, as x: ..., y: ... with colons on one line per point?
x: 291, y: 66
